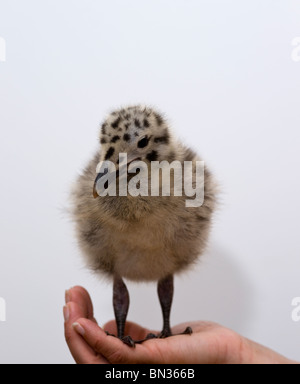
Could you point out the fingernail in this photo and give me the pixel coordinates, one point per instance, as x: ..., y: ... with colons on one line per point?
x: 67, y: 296
x: 78, y: 328
x: 66, y: 313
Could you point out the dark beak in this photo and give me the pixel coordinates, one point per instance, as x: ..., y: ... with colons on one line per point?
x: 99, y: 175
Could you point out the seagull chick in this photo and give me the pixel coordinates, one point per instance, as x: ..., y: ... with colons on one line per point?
x: 140, y: 238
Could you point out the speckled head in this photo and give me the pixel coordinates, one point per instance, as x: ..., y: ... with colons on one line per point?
x: 140, y: 132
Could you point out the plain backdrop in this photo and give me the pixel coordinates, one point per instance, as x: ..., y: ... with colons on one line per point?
x: 222, y: 72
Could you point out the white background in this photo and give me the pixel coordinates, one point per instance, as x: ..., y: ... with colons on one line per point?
x: 222, y: 72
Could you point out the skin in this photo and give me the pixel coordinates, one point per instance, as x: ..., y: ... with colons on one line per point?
x: 209, y: 344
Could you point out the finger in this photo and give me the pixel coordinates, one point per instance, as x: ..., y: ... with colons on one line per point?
x: 80, y: 350
x: 111, y: 348
x: 81, y: 296
x: 134, y: 330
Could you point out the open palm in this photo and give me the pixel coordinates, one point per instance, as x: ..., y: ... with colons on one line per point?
x: 210, y: 343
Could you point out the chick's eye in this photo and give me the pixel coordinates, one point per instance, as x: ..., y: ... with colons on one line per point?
x: 143, y: 142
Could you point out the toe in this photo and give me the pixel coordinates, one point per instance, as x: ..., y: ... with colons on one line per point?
x: 187, y: 331
x: 151, y: 336
x: 128, y: 341
x: 110, y: 334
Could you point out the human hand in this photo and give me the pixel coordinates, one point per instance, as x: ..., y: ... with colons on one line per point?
x: 210, y: 343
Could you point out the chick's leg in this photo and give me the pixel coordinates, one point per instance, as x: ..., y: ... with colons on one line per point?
x: 121, y: 306
x: 165, y: 291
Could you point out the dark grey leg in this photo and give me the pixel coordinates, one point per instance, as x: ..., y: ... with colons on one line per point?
x: 121, y: 306
x: 165, y: 291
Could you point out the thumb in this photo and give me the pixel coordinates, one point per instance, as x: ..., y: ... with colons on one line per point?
x: 112, y: 348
